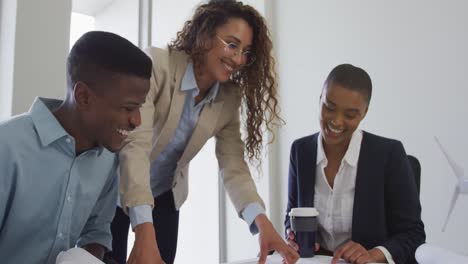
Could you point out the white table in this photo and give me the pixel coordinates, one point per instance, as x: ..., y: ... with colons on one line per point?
x: 277, y: 259
x: 425, y: 254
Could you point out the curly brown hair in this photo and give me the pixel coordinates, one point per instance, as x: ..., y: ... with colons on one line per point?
x: 256, y: 81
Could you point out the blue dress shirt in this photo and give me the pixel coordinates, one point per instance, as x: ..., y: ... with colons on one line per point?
x: 163, y: 168
x: 51, y: 199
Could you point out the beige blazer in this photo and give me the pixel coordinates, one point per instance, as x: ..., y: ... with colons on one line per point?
x: 160, y: 116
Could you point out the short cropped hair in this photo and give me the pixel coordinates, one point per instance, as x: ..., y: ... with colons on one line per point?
x: 98, y: 55
x: 352, y: 78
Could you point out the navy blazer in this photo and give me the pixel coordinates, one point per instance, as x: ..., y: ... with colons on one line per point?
x: 386, y: 212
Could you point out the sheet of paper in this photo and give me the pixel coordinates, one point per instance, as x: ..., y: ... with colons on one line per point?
x: 76, y: 256
x: 277, y: 259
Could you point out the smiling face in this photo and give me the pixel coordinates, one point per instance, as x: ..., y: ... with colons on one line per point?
x: 114, y: 110
x: 229, y: 44
x: 341, y: 111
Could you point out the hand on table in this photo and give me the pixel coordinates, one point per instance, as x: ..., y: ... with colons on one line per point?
x: 355, y: 253
x: 269, y: 239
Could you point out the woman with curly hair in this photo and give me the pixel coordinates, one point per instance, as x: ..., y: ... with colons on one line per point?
x: 221, y: 60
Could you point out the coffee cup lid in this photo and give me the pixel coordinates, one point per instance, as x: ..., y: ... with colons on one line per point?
x: 303, y: 212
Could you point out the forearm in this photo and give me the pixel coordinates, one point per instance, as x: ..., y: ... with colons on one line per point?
x: 262, y: 222
x: 402, y: 247
x: 145, y: 231
x: 134, y: 181
x: 145, y: 238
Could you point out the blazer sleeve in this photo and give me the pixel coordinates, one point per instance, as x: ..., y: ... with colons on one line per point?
x: 233, y: 169
x: 134, y: 184
x: 403, y: 209
x: 292, y: 185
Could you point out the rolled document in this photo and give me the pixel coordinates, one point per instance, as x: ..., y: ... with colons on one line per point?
x: 428, y: 254
x: 76, y: 256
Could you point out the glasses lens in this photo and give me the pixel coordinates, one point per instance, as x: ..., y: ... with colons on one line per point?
x: 230, y: 49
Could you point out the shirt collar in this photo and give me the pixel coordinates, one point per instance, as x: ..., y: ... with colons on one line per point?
x: 47, y: 126
x: 352, y: 154
x: 320, y: 152
x: 189, y: 83
x: 211, y: 96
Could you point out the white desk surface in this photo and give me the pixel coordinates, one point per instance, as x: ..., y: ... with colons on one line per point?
x: 277, y: 259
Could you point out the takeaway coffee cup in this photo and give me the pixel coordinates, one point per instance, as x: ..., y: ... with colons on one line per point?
x: 304, y: 224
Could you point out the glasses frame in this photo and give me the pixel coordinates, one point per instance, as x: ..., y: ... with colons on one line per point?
x: 245, y: 53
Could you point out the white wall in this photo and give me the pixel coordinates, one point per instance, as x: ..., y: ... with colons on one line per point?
x: 36, y: 53
x: 120, y: 17
x: 79, y: 25
x: 415, y: 53
x: 7, y: 42
x: 168, y: 19
x: 198, y: 225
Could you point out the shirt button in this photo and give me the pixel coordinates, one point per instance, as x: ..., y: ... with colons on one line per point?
x: 60, y: 235
x: 69, y: 198
x: 68, y: 140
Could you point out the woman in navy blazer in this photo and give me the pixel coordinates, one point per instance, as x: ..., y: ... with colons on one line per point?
x: 386, y: 221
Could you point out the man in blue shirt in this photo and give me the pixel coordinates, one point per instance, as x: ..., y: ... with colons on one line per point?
x: 58, y: 184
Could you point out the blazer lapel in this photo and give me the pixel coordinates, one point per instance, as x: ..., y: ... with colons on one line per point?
x: 177, y: 104
x: 307, y: 172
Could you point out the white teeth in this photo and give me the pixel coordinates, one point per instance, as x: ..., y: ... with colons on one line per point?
x: 123, y: 132
x: 228, y: 67
x: 336, y: 131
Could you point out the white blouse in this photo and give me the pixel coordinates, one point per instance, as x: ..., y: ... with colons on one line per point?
x: 335, y: 205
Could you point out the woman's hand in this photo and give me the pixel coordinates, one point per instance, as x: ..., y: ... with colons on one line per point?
x: 292, y: 242
x: 290, y: 238
x: 269, y: 239
x: 355, y: 253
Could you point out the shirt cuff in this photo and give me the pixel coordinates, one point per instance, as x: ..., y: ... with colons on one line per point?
x: 250, y: 213
x: 140, y: 214
x: 387, y: 254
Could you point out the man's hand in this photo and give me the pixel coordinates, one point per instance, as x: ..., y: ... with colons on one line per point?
x: 145, y: 250
x: 96, y: 250
x: 269, y: 239
x: 355, y: 253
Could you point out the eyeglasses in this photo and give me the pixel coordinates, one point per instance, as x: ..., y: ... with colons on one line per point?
x: 232, y: 49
